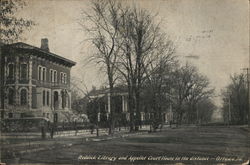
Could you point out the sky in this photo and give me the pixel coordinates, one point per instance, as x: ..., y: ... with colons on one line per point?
x: 215, y: 32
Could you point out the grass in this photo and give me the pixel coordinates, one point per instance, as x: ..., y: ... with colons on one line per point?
x: 190, y: 142
x: 156, y: 140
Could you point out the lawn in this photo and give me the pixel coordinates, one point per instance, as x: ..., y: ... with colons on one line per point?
x: 190, y: 145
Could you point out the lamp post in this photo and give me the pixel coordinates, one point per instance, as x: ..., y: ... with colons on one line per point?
x: 229, y: 109
x: 197, y: 113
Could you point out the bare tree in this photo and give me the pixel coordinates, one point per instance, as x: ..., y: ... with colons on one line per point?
x: 235, y: 98
x: 189, y: 88
x: 156, y: 88
x: 206, y: 109
x: 142, y: 44
x: 102, y: 25
x: 12, y: 26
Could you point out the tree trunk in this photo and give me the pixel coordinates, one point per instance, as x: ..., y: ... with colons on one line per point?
x: 137, y: 109
x: 131, y: 107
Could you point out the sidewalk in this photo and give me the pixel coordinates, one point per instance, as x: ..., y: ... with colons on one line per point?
x: 63, y: 141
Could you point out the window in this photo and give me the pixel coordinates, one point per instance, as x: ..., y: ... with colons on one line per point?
x: 44, y: 74
x: 11, y: 95
x: 43, y: 114
x: 44, y: 98
x: 10, y: 115
x: 51, y: 75
x: 55, y: 76
x: 23, y: 97
x: 11, y: 71
x: 63, y: 99
x: 61, y: 77
x: 48, y: 98
x: 65, y: 78
x: 47, y: 115
x: 23, y: 71
x: 56, y: 97
x: 39, y: 73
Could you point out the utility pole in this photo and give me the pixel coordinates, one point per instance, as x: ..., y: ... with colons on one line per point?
x: 229, y: 109
x: 248, y: 81
x: 248, y: 98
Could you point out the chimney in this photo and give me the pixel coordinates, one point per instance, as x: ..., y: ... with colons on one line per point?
x: 45, y: 44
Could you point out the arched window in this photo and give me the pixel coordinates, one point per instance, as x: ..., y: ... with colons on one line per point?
x: 61, y: 77
x: 23, y: 97
x: 11, y: 71
x: 11, y: 96
x: 39, y: 73
x: 44, y: 98
x: 63, y: 99
x: 23, y: 71
x: 44, y: 74
x: 55, y: 76
x: 51, y: 75
x: 65, y: 78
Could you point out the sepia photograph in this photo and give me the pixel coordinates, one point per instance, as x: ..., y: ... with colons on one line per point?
x: 125, y: 82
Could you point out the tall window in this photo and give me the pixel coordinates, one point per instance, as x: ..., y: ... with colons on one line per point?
x: 48, y: 98
x: 39, y: 73
x: 11, y: 95
x: 63, y: 99
x: 55, y: 76
x: 51, y: 75
x: 65, y: 78
x: 23, y: 71
x: 44, y: 98
x: 23, y: 97
x: 44, y: 74
x: 11, y: 70
x: 56, y: 97
x: 61, y: 77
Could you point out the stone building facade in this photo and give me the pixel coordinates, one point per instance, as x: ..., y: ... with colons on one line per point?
x: 100, y: 100
x: 120, y: 101
x: 34, y: 82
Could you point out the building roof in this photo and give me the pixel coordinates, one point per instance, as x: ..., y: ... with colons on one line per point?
x: 41, y: 53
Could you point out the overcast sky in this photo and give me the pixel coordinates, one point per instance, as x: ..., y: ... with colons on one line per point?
x: 216, y: 31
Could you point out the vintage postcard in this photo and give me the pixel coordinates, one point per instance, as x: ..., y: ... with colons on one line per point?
x: 124, y: 82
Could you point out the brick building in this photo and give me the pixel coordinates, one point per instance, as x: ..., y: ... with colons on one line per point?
x: 34, y: 82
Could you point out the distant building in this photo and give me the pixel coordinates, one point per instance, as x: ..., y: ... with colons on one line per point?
x: 99, y: 103
x: 34, y: 82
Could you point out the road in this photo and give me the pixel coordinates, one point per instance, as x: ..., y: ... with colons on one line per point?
x: 189, y: 145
